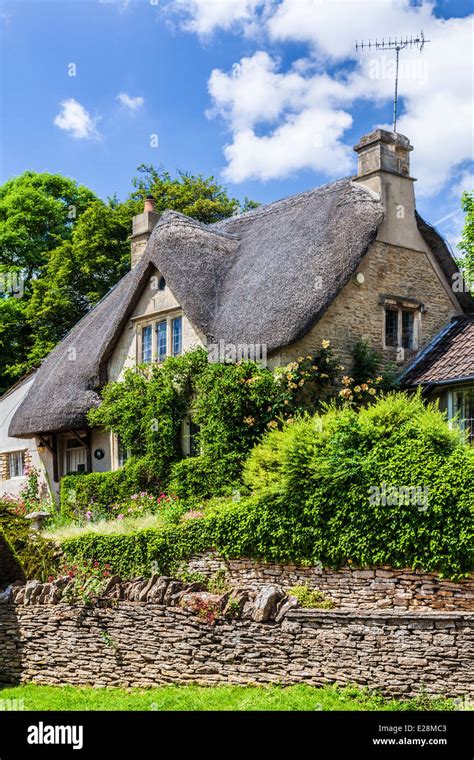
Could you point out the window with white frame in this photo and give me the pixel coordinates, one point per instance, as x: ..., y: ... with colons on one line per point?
x: 16, y: 464
x: 160, y: 338
x: 147, y: 348
x: 176, y: 336
x: 461, y: 409
x: 75, y: 456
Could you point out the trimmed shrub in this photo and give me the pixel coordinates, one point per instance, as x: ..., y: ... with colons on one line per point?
x: 99, y: 490
x: 198, y: 478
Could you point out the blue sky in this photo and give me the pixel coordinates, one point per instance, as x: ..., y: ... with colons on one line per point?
x: 267, y: 95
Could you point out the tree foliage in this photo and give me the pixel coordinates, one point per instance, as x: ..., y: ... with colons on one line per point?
x: 466, y: 246
x: 72, y: 248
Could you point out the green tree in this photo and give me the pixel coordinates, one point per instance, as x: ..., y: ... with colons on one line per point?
x: 72, y: 249
x: 466, y: 246
x: 14, y: 339
x: 37, y: 213
x: 77, y: 275
x: 191, y: 194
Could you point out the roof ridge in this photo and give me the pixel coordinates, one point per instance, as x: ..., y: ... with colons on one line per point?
x: 431, y: 345
x: 329, y: 187
x: 169, y: 215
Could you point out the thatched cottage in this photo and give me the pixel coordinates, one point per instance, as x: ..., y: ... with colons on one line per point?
x: 347, y: 261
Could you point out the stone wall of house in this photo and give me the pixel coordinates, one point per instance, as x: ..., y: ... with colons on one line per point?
x: 357, y: 314
x: 351, y: 588
x: 146, y: 638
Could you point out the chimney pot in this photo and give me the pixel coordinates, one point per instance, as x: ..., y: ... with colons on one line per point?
x: 150, y: 204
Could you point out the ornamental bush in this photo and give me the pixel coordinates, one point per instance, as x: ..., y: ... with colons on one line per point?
x: 38, y: 557
x: 233, y: 405
x: 390, y: 484
x: 97, y: 491
x: 10, y: 566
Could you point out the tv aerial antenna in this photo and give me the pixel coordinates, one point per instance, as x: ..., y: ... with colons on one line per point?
x: 398, y: 45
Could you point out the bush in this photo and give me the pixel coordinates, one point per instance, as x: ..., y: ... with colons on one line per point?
x: 99, y: 490
x: 232, y: 405
x: 199, y: 478
x: 390, y: 484
x: 10, y: 566
x: 310, y: 598
x: 335, y: 489
x: 38, y: 557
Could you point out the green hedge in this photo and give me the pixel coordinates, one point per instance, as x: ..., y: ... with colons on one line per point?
x: 98, y: 490
x: 313, y: 499
x: 202, y: 477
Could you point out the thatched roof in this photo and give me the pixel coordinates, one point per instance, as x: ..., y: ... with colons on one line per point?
x: 448, y: 358
x: 263, y: 277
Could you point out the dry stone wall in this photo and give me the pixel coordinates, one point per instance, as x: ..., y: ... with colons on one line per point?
x: 352, y: 588
x: 140, y: 634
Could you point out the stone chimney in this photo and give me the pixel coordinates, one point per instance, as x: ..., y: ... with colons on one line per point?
x: 142, y: 227
x: 384, y: 166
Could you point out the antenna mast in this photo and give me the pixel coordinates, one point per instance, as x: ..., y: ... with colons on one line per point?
x: 397, y: 45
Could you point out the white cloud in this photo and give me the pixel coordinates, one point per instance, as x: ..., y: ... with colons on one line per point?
x: 332, y: 28
x: 436, y: 87
x: 130, y: 102
x: 204, y: 16
x: 463, y: 184
x: 310, y: 139
x: 123, y: 4
x: 307, y: 128
x: 74, y: 118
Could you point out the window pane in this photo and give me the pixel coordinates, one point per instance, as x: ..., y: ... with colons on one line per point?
x: 76, y: 460
x: 391, y: 327
x: 16, y: 464
x: 464, y: 408
x: 176, y: 336
x: 193, y: 439
x: 122, y: 453
x: 408, y: 321
x: 146, y: 344
x: 161, y: 341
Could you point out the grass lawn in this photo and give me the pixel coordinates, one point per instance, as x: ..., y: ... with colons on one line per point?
x: 232, y: 698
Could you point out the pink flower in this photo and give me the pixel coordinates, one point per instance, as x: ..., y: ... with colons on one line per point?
x: 120, y: 517
x: 192, y: 515
x: 89, y: 515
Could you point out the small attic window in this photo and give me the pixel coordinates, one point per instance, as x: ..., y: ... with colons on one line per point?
x: 161, y: 283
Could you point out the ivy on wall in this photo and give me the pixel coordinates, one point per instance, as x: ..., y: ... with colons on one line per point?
x: 233, y: 405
